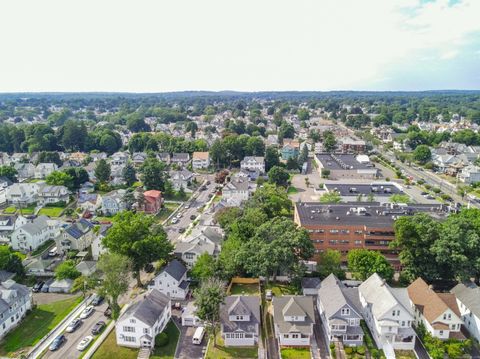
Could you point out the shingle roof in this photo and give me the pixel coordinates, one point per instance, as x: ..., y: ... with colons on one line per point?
x: 240, y: 305
x: 175, y: 269
x: 303, y: 304
x: 332, y: 294
x: 468, y: 293
x: 309, y: 282
x: 149, y: 309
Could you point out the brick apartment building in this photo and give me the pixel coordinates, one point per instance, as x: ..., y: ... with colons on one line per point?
x: 356, y: 225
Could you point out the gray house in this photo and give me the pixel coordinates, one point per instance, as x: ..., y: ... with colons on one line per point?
x: 113, y: 202
x: 240, y: 320
x: 339, y: 309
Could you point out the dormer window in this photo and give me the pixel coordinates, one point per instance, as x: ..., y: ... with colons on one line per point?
x: 345, y: 311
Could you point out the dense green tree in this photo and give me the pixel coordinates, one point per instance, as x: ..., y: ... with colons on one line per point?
x: 362, y: 263
x: 331, y: 197
x: 67, y: 270
x: 271, y: 158
x: 11, y: 262
x: 59, y: 178
x: 422, y: 154
x: 330, y: 261
x: 103, y: 171
x: 191, y: 127
x: 116, y: 276
x: 74, y: 135
x: 278, y: 175
x: 49, y: 157
x: 136, y: 236
x: 329, y: 141
x: 129, y: 174
x: 8, y: 172
x: 303, y: 114
x: 255, y: 146
x: 137, y: 124
x: 286, y: 130
x: 79, y: 176
x: 153, y: 174
x: 203, y: 268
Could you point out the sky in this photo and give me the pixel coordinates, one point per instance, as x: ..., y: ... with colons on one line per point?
x: 243, y: 45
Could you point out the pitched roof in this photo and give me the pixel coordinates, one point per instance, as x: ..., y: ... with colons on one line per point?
x: 292, y: 305
x: 429, y: 303
x: 175, y: 269
x: 240, y: 305
x: 201, y: 155
x: 468, y: 293
x: 152, y: 193
x: 149, y: 309
x: 332, y: 294
x: 311, y: 282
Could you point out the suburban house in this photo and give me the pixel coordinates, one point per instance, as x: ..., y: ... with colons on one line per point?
x: 290, y: 149
x: 97, y: 245
x: 172, y: 281
x: 8, y: 224
x: 34, y: 233
x: 240, y: 320
x: 253, y: 163
x: 77, y: 236
x: 86, y: 267
x: 89, y: 201
x: 200, y: 160
x: 113, y: 202
x: 42, y: 170
x: 181, y: 179
x: 15, y: 301
x: 469, y: 174
x: 152, y: 202
x: 24, y: 170
x: 180, y: 159
x: 52, y: 194
x: 388, y: 315
x: 164, y: 157
x: 438, y: 312
x: 119, y: 159
x: 352, y: 145
x: 467, y: 295
x: 236, y: 191
x: 138, y: 326
x: 98, y: 156
x: 293, y: 318
x: 22, y: 193
x: 189, y: 251
x: 310, y: 285
x: 138, y: 158
x: 340, y: 311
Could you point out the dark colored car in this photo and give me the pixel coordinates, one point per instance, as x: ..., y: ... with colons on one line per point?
x: 97, y: 300
x: 97, y: 328
x: 108, y: 312
x: 57, y: 342
x: 38, y: 286
x: 192, y: 217
x: 181, y: 230
x: 208, y: 182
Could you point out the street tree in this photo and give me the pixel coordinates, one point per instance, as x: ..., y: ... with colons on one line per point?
x: 278, y: 175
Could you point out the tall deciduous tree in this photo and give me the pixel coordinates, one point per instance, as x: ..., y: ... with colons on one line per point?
x: 103, y: 171
x: 330, y: 261
x: 153, y: 174
x: 129, y: 174
x: 59, y: 178
x: 329, y: 141
x: 136, y: 236
x: 278, y: 175
x: 9, y: 172
x: 204, y: 267
x: 208, y: 299
x: 116, y: 273
x: 363, y: 263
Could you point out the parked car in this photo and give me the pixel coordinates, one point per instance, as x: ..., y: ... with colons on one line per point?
x: 46, y: 286
x: 97, y: 328
x: 108, y: 312
x: 268, y: 294
x: 84, y: 343
x: 38, y: 286
x: 87, y: 312
x: 57, y: 342
x: 187, y: 206
x: 192, y: 217
x: 208, y: 183
x: 174, y: 220
x: 97, y: 300
x: 181, y: 230
x: 74, y: 324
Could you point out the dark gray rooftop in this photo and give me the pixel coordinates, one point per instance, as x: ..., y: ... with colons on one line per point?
x: 346, y: 190
x: 149, y: 309
x: 175, y: 269
x: 240, y: 305
x: 371, y: 214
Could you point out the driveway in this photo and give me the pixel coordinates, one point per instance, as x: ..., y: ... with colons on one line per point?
x: 320, y: 336
x: 69, y: 349
x: 185, y: 348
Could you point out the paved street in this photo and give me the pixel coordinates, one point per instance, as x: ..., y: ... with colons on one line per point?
x: 69, y: 349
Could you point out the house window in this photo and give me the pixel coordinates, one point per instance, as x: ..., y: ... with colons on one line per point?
x: 239, y: 317
x: 345, y: 311
x: 132, y: 321
x: 130, y: 339
x: 285, y: 335
x: 146, y: 331
x: 393, y: 313
x: 294, y: 336
x: 441, y: 332
x: 403, y: 323
x: 129, y: 329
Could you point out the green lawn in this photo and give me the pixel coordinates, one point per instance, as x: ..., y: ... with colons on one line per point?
x: 10, y: 210
x: 36, y: 325
x: 51, y: 211
x: 110, y: 349
x: 27, y: 210
x: 168, y: 351
x: 281, y: 289
x: 292, y: 190
x: 105, y: 219
x: 404, y: 354
x: 40, y: 249
x: 245, y: 289
x: 166, y: 211
x: 295, y: 353
x: 222, y: 352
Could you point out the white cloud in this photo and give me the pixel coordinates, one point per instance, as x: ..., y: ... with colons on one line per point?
x: 153, y: 45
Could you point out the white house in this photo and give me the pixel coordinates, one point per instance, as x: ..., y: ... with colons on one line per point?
x: 15, y: 301
x: 470, y: 174
x: 172, y: 281
x: 388, y: 315
x: 52, y: 194
x: 34, y: 233
x: 189, y: 318
x: 181, y: 179
x: 138, y: 326
x: 97, y: 246
x: 119, y: 159
x: 293, y: 317
x: 42, y: 170
x: 438, y: 312
x: 236, y: 191
x: 200, y: 160
x: 24, y: 170
x: 22, y: 193
x: 77, y: 236
x: 467, y: 295
x: 8, y: 224
x: 253, y: 163
x: 240, y: 320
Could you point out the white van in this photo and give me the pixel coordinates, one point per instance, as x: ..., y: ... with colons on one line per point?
x: 52, y: 252
x: 198, y: 336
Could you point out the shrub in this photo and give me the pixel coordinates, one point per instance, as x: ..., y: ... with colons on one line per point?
x: 361, y: 350
x: 161, y: 340
x: 436, y: 190
x: 348, y: 350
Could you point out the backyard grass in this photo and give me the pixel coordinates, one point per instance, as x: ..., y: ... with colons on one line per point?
x: 279, y: 289
x: 168, y: 351
x: 292, y: 190
x: 245, y: 289
x: 105, y: 219
x: 223, y: 352
x: 404, y: 354
x: 110, y: 349
x: 10, y: 210
x: 36, y: 325
x: 27, y: 210
x: 51, y: 211
x: 295, y: 353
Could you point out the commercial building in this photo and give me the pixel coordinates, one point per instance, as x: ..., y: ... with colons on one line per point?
x: 354, y: 225
x: 339, y: 166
